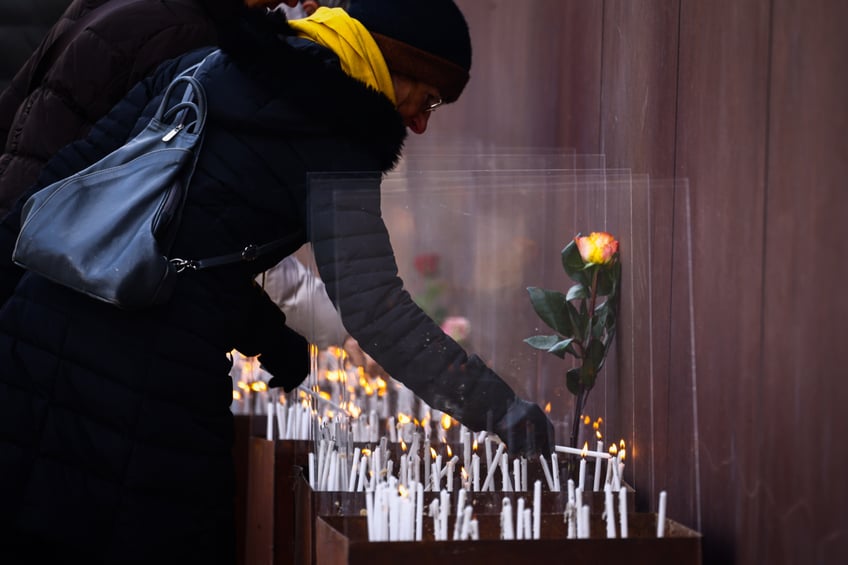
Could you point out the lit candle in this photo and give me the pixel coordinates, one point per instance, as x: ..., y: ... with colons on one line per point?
x: 582, y: 481
x: 437, y: 474
x: 622, y: 512
x: 363, y: 472
x: 609, y: 513
x: 537, y: 510
x: 661, y: 514
x: 475, y: 472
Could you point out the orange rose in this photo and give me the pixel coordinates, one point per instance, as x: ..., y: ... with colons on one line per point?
x: 598, y: 247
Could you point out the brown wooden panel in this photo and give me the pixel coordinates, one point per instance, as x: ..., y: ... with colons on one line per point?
x: 721, y: 133
x: 803, y: 491
x: 637, y: 132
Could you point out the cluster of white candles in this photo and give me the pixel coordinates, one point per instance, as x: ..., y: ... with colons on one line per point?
x: 396, y: 513
x: 527, y: 523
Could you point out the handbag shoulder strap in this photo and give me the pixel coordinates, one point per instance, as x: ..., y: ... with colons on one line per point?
x: 249, y: 253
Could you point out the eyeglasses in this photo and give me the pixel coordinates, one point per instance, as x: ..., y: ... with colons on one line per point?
x: 432, y: 103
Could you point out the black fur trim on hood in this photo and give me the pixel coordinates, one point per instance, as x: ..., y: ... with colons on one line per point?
x: 257, y: 43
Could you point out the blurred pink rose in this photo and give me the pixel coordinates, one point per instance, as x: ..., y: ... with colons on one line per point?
x: 458, y: 327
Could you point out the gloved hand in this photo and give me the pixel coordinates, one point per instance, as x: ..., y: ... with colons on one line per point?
x: 288, y: 362
x: 525, y: 429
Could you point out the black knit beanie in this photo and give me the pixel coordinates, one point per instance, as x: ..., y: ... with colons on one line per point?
x: 426, y: 40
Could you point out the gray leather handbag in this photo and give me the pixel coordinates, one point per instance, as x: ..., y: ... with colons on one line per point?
x: 107, y: 230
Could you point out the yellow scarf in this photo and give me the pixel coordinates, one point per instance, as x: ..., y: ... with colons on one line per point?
x: 347, y: 37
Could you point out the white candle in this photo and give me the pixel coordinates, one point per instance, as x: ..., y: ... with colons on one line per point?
x: 661, y: 514
x: 622, y: 512
x: 609, y: 513
x: 434, y: 514
x: 312, y: 470
x: 528, y: 523
x: 583, y: 452
x: 572, y: 495
x: 392, y: 430
x: 488, y: 443
x: 460, y: 505
x: 582, y: 482
x: 507, y: 531
x: 537, y: 510
x: 475, y: 472
x: 516, y: 473
x: 487, y: 484
x: 571, y: 518
x: 269, y: 421
x: 369, y: 511
x: 465, y: 532
x: 394, y: 515
x: 280, y: 414
x: 406, y: 519
x: 474, y: 527
x: 353, y: 468
x: 547, y: 472
x: 555, y: 470
x: 466, y: 446
x: 584, y: 518
x: 419, y: 506
x: 597, y: 475
x: 444, y: 505
x: 519, y: 520
x: 363, y: 472
x: 505, y: 472
x: 437, y: 474
x: 525, y: 486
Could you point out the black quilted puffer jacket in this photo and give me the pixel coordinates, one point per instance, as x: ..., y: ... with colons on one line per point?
x: 115, y: 427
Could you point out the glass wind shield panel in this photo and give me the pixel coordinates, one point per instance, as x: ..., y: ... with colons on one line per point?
x: 491, y: 242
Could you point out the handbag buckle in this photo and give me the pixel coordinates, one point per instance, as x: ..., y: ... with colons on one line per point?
x: 182, y: 264
x: 250, y: 253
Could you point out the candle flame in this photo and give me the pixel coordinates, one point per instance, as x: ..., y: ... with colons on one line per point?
x: 433, y: 453
x: 450, y: 451
x: 366, y: 452
x: 325, y: 395
x: 258, y: 386
x: 548, y: 408
x: 402, y: 444
x: 598, y: 434
x: 353, y: 410
x: 463, y: 473
x: 244, y: 386
x: 587, y: 420
x: 402, y: 491
x: 381, y: 387
x: 621, y: 444
x: 474, y: 445
x: 585, y: 449
x: 446, y: 421
x: 334, y: 376
x: 613, y: 449
x: 236, y: 394
x: 403, y: 418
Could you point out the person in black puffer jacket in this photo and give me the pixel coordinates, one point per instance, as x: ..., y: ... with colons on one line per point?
x: 115, y: 426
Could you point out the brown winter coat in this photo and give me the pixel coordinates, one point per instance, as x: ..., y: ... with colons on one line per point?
x: 95, y: 71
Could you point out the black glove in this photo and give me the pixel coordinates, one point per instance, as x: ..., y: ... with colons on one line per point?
x: 288, y: 362
x: 525, y: 429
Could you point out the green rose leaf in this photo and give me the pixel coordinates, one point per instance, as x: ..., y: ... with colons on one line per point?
x: 592, y: 363
x: 608, y: 278
x: 577, y: 292
x: 548, y: 343
x: 572, y: 381
x: 578, y: 320
x: 550, y: 305
x: 573, y: 264
x: 562, y: 347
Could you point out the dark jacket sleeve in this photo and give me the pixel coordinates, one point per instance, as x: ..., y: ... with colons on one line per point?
x: 109, y: 133
x: 356, y: 261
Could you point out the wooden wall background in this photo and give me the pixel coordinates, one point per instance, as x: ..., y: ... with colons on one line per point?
x: 735, y: 110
